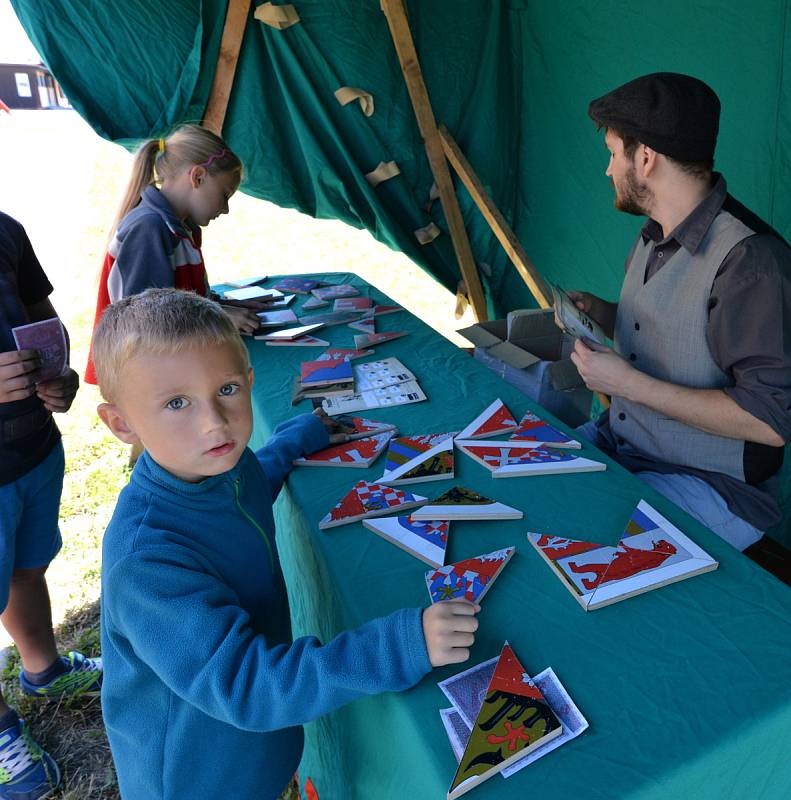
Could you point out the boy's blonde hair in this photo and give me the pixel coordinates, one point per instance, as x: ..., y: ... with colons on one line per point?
x: 157, y: 322
x: 186, y: 147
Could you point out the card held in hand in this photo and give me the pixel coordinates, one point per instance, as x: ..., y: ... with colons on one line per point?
x: 49, y: 339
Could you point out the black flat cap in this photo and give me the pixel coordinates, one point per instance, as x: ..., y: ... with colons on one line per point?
x: 674, y: 114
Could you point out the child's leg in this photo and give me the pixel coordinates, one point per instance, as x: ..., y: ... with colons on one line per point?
x: 28, y: 619
x: 30, y: 539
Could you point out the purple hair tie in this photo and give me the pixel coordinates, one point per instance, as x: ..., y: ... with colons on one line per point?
x: 211, y: 159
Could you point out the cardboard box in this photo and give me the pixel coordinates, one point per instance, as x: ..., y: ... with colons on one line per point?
x: 531, y: 353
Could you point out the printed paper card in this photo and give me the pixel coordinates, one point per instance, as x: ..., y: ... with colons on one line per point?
x: 372, y: 339
x: 469, y: 579
x: 515, y: 718
x: 381, y: 373
x: 513, y: 460
x: 575, y: 322
x: 651, y: 553
x: 48, y: 339
x: 303, y: 341
x: 396, y: 395
x: 412, y: 459
x: 534, y: 429
x: 335, y: 291
x: 426, y: 539
x: 470, y: 687
x: 352, y: 304
x: 322, y: 373
x: 493, y: 421
x: 357, y: 453
x: 461, y: 503
x: 370, y: 500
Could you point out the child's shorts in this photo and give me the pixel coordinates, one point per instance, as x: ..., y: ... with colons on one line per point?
x: 29, y: 506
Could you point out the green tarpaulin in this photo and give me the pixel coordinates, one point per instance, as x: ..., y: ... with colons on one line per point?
x: 510, y: 78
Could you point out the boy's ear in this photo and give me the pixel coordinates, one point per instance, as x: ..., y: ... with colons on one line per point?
x: 250, y: 376
x: 197, y: 175
x: 111, y: 416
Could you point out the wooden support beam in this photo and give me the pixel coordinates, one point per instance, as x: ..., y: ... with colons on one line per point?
x: 232, y: 35
x: 501, y: 229
x: 410, y: 67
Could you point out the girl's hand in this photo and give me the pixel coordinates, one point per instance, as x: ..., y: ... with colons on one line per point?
x: 245, y: 320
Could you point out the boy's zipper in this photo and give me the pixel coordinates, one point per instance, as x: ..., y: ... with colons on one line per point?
x: 236, y: 485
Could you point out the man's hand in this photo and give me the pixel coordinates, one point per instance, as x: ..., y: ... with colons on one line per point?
x: 601, y: 311
x: 449, y: 628
x: 602, y: 369
x: 337, y: 431
x: 58, y: 394
x: 244, y: 319
x: 18, y: 374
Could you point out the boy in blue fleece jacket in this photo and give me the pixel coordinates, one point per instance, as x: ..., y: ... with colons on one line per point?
x: 205, y: 692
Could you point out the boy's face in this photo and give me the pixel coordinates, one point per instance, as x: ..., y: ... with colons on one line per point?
x: 190, y: 410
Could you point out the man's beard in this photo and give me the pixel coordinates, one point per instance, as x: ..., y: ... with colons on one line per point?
x: 633, y: 197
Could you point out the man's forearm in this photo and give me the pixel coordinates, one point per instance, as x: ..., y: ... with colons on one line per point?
x: 709, y: 410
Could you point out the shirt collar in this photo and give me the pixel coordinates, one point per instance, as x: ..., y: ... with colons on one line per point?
x: 153, y: 198
x: 689, y: 232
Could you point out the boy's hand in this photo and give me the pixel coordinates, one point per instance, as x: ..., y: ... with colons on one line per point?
x: 18, y: 374
x: 58, y: 394
x: 337, y: 431
x: 448, y: 628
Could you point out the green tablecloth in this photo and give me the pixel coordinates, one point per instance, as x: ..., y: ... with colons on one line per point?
x: 687, y: 688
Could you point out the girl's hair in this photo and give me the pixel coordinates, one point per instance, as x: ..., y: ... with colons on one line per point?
x: 186, y: 147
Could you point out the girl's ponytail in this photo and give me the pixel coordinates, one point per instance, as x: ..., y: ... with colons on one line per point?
x: 143, y: 174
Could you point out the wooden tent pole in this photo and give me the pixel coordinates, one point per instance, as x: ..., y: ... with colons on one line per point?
x: 228, y: 57
x: 410, y: 67
x: 495, y: 219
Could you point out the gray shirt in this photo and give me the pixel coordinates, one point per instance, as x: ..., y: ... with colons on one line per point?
x: 749, y: 336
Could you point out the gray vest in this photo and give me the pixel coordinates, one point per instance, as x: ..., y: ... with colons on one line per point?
x: 661, y: 329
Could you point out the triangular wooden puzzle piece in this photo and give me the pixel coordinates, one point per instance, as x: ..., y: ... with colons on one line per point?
x: 371, y: 339
x: 413, y: 459
x: 366, y: 323
x: 461, y: 503
x: 651, y: 553
x: 335, y: 291
x: 348, y: 354
x: 369, y: 500
x: 303, y: 341
x: 352, y: 304
x: 522, y: 459
x: 514, y: 719
x: 314, y: 302
x: 357, y: 453
x: 425, y: 539
x: 534, y: 429
x: 469, y: 579
x: 493, y: 421
x: 360, y: 428
x: 325, y: 372
x: 298, y: 285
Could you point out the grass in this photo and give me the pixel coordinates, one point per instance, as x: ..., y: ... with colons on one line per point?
x: 63, y: 183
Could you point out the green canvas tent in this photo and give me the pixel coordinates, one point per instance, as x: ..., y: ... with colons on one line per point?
x: 511, y: 79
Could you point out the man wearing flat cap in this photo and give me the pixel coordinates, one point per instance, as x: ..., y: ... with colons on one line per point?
x: 700, y: 374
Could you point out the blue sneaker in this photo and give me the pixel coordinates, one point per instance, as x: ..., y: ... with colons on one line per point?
x: 83, y: 678
x: 26, y: 771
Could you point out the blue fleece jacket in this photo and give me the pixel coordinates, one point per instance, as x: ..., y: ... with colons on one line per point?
x: 204, y: 691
